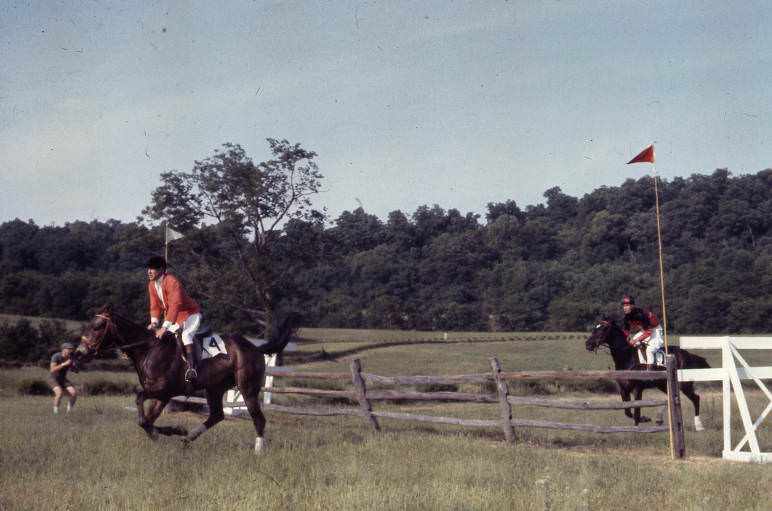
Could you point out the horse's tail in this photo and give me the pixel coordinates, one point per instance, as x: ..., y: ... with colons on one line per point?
x: 281, y: 334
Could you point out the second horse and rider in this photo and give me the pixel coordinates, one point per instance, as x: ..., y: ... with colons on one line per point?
x: 643, y: 330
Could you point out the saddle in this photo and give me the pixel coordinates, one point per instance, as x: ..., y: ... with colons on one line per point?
x: 208, y: 344
x: 198, y: 337
x: 203, y: 332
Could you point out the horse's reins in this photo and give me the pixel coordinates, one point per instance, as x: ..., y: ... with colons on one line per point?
x: 97, y: 345
x: 598, y: 346
x: 608, y: 345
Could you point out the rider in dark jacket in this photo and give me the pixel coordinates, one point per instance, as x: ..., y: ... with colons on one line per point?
x: 642, y: 326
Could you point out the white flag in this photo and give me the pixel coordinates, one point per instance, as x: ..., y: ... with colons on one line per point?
x: 171, y: 234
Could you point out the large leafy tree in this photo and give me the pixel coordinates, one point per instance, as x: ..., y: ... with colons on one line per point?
x: 233, y: 213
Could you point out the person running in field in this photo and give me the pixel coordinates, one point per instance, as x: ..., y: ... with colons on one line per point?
x: 57, y: 377
x: 642, y: 326
x: 167, y: 296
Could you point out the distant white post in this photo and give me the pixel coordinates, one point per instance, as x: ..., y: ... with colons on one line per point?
x: 270, y: 361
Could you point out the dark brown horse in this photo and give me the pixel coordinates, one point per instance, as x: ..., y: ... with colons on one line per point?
x: 161, y: 366
x: 626, y: 358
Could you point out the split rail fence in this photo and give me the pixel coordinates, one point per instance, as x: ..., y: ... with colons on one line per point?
x: 505, y: 400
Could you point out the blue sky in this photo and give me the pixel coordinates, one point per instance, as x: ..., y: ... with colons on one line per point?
x: 406, y: 103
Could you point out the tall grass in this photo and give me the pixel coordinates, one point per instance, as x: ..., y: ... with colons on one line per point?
x: 97, y: 458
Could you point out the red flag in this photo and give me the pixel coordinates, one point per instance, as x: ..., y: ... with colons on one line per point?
x: 646, y: 156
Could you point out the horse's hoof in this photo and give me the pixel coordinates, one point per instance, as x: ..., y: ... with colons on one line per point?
x: 153, y: 434
x: 186, y: 443
x: 659, y: 421
x: 644, y: 419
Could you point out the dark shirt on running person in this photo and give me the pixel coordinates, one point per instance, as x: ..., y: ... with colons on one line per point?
x: 59, y: 377
x: 640, y: 320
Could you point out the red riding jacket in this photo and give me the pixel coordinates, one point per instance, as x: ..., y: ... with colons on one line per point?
x: 176, y: 303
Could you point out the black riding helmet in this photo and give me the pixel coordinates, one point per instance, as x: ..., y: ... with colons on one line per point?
x: 628, y: 300
x: 156, y: 263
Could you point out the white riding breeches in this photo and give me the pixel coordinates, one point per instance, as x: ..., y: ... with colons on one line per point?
x: 653, y: 344
x: 190, y: 327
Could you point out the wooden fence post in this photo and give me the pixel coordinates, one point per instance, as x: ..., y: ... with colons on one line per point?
x: 674, y: 405
x: 361, y: 392
x: 502, y: 389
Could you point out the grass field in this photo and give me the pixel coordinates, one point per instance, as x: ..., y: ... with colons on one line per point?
x: 97, y: 457
x: 73, y: 326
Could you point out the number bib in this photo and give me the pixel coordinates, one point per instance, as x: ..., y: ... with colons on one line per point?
x: 213, y: 346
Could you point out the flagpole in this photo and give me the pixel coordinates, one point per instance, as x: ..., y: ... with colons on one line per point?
x: 661, y: 267
x: 169, y: 235
x: 166, y: 240
x: 662, y: 292
x: 647, y: 155
x: 664, y: 311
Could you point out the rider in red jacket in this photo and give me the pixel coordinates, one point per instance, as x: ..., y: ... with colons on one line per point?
x: 642, y: 326
x: 180, y: 311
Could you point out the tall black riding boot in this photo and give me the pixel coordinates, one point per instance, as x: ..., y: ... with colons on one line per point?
x: 192, y: 358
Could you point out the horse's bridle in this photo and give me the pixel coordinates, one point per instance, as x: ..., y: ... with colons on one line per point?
x: 110, y: 324
x: 603, y: 322
x: 96, y: 345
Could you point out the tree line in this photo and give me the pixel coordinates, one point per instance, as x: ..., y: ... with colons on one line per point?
x: 558, y: 265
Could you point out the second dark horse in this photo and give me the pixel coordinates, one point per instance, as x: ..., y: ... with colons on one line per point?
x: 626, y: 358
x: 161, y: 368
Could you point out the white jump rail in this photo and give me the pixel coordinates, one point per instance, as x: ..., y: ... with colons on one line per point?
x: 234, y: 396
x: 731, y: 377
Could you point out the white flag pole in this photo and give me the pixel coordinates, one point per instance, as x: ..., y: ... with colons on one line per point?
x: 166, y: 240
x: 650, y: 159
x: 661, y: 267
x: 664, y: 311
x: 169, y: 235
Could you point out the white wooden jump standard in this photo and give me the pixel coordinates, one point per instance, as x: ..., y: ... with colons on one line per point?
x: 730, y: 376
x: 234, y: 396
